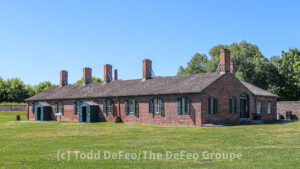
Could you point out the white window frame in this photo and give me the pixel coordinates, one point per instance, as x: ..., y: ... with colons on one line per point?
x: 156, y: 106
x: 212, y: 106
x: 60, y: 107
x: 269, y: 110
x: 130, y: 106
x: 258, y: 107
x: 109, y: 107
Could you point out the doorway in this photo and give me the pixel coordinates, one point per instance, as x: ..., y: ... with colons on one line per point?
x: 84, y: 112
x: 39, y: 112
x: 244, y: 106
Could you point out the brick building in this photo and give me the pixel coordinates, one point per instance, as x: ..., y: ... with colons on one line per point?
x: 179, y: 100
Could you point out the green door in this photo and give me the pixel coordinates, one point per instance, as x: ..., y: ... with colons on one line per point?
x: 244, y: 108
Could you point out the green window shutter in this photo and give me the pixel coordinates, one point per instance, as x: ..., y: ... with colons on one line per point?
x: 134, y: 111
x: 160, y: 103
x: 126, y: 107
x: 179, y: 106
x: 151, y: 106
x: 183, y: 106
x: 74, y: 107
x: 187, y: 105
x: 255, y: 106
x: 78, y: 106
x: 234, y: 106
x: 108, y: 104
x: 216, y: 105
x: 104, y: 106
x: 32, y: 108
x: 56, y: 107
x: 209, y: 106
x: 230, y: 105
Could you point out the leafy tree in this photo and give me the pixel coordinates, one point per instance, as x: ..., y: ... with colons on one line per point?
x: 16, y: 90
x: 196, y: 65
x: 94, y: 80
x: 278, y: 75
x: 42, y: 86
x: 3, y: 90
x: 288, y: 87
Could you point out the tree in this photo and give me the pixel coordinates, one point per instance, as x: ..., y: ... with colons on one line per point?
x: 196, y: 65
x: 250, y: 65
x: 288, y: 87
x: 42, y: 86
x: 16, y: 90
x: 94, y: 80
x: 3, y: 90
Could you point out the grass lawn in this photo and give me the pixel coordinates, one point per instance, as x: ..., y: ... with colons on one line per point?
x: 36, y: 144
x: 12, y: 103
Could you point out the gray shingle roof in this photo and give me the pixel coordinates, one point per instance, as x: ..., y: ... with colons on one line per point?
x: 159, y: 85
x: 258, y: 91
x: 137, y: 87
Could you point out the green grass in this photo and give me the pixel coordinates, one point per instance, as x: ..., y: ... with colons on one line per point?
x: 36, y: 144
x: 12, y: 103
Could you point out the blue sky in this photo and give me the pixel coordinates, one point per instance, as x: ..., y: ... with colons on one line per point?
x: 40, y: 38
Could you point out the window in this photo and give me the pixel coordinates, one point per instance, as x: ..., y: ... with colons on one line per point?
x: 76, y: 107
x: 155, y: 106
x: 107, y: 106
x: 212, y: 105
x: 258, y: 107
x: 60, y: 107
x: 232, y: 105
x: 32, y: 108
x: 269, y: 107
x: 130, y: 106
x: 183, y: 106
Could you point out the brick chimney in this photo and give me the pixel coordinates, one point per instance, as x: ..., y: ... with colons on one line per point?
x: 232, y: 68
x: 147, y: 68
x: 107, y: 73
x: 63, y: 78
x: 224, y: 61
x: 87, y: 76
x: 116, y: 75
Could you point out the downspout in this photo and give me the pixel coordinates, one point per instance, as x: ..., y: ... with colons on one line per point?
x: 119, y: 109
x: 27, y: 107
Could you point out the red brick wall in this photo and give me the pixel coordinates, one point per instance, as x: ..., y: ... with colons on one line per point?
x: 68, y: 111
x: 223, y: 89
x: 264, y: 103
x: 170, y: 111
x: 228, y: 87
x: 169, y: 115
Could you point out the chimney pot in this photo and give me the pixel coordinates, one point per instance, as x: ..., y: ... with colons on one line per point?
x: 147, y: 68
x: 107, y: 73
x: 87, y: 76
x: 116, y: 75
x: 63, y: 78
x: 224, y: 61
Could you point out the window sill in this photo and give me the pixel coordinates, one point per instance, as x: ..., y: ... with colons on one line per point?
x: 130, y: 113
